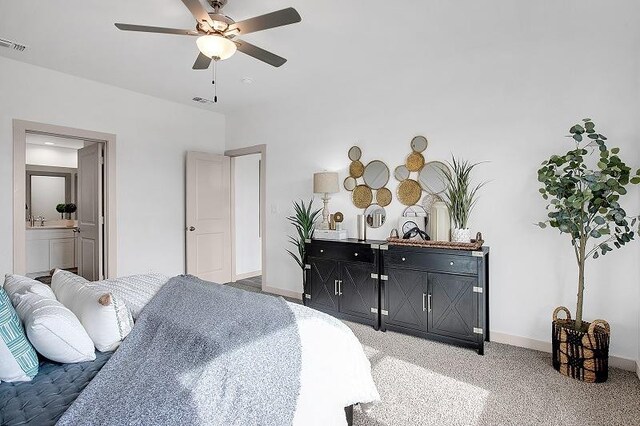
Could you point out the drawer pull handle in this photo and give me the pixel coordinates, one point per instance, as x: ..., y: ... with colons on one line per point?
x: 356, y: 254
x: 424, y: 296
x: 321, y: 251
x: 451, y: 263
x: 429, y: 303
x: 403, y: 259
x: 335, y: 287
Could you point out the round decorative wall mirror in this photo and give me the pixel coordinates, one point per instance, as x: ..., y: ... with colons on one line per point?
x: 350, y: 183
x: 401, y: 173
x: 355, y: 153
x: 419, y: 143
x: 375, y: 215
x: 433, y: 177
x: 376, y: 174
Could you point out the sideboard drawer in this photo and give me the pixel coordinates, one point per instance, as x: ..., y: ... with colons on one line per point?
x: 348, y: 252
x: 432, y: 262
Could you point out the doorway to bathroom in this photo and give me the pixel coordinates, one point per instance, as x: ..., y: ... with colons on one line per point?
x: 64, y: 201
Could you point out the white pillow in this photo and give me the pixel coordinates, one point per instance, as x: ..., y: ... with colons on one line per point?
x: 135, y: 290
x: 16, y: 284
x: 106, y: 318
x: 53, y: 330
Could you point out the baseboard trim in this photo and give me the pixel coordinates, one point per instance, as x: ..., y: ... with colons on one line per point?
x: 281, y: 292
x: 543, y: 346
x: 247, y: 275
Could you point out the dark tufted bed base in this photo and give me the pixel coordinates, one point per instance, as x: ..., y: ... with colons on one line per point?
x: 43, y: 400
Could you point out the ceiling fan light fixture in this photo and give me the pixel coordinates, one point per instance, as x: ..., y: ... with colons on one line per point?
x: 216, y: 47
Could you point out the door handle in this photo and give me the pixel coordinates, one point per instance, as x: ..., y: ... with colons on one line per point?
x: 429, y: 303
x: 339, y: 287
x: 424, y: 296
x: 192, y: 228
x: 335, y: 287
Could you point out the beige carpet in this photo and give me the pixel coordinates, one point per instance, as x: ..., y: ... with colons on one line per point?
x: 429, y: 383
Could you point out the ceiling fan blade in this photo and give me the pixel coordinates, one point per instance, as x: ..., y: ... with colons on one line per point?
x: 159, y: 30
x: 198, y: 11
x: 202, y: 62
x: 260, y: 54
x: 265, y: 22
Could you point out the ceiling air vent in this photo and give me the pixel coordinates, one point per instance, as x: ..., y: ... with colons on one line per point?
x: 202, y: 100
x: 12, y: 45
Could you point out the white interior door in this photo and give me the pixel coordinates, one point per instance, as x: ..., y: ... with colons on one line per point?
x: 90, y: 218
x: 208, y: 213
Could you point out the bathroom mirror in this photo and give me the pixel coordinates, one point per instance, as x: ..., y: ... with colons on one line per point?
x: 355, y: 153
x: 350, y: 183
x: 419, y: 143
x: 401, y: 173
x: 375, y: 215
x: 432, y: 177
x: 46, y: 187
x: 376, y: 174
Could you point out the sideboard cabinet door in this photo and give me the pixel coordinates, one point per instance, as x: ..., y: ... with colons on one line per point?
x: 405, y: 298
x: 359, y: 290
x: 322, y: 284
x: 452, y: 306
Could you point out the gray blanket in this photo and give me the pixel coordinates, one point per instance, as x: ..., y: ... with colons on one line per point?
x: 200, y: 353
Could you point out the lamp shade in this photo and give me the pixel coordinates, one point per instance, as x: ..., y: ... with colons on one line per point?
x: 325, y: 182
x: 216, y: 47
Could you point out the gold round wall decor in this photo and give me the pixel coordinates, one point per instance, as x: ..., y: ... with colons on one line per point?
x: 356, y: 169
x: 415, y: 161
x: 383, y: 197
x: 338, y: 217
x: 409, y: 192
x: 362, y: 196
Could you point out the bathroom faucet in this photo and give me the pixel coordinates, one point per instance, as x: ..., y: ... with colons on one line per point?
x: 41, y: 219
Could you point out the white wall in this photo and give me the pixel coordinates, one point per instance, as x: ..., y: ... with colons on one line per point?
x: 41, y: 155
x: 510, y: 100
x: 152, y: 138
x: 247, y: 213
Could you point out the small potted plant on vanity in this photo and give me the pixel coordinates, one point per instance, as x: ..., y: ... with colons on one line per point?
x: 60, y: 209
x: 584, y: 204
x: 460, y: 197
x: 304, y: 222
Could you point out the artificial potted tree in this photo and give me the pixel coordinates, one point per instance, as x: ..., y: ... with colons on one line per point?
x: 584, y: 204
x: 304, y: 223
x: 460, y: 197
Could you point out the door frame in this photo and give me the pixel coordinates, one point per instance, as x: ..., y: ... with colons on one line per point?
x: 20, y: 130
x: 233, y: 153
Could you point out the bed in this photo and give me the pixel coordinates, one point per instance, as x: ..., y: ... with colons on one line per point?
x: 203, y: 353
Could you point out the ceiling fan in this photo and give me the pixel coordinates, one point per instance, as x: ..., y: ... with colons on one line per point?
x: 218, y: 34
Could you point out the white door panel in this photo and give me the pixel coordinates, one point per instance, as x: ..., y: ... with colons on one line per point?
x: 208, y: 214
x: 89, y: 244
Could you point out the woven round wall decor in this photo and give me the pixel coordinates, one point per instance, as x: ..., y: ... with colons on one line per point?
x: 383, y: 197
x: 409, y: 192
x: 415, y: 161
x: 356, y: 169
x: 362, y: 196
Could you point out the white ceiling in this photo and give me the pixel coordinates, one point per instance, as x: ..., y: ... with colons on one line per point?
x: 340, y: 49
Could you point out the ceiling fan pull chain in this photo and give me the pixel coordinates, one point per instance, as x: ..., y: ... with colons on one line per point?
x: 215, y: 77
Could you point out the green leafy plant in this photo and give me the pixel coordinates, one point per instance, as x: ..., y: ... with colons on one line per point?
x: 70, y: 208
x: 584, y: 203
x: 304, y: 222
x: 60, y: 209
x: 460, y: 195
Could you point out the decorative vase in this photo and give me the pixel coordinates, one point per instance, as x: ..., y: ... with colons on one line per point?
x: 439, y: 222
x: 582, y: 355
x: 461, y: 235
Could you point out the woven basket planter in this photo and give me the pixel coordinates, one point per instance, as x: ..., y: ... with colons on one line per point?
x: 581, y: 355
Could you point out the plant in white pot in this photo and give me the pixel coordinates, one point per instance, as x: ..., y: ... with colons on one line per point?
x: 460, y: 197
x: 583, y: 194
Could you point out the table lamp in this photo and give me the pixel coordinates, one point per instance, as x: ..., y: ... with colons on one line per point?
x: 325, y: 183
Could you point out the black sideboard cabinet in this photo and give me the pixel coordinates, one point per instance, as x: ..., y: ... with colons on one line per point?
x: 438, y: 294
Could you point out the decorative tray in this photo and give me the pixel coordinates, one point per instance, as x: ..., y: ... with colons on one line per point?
x: 473, y: 245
